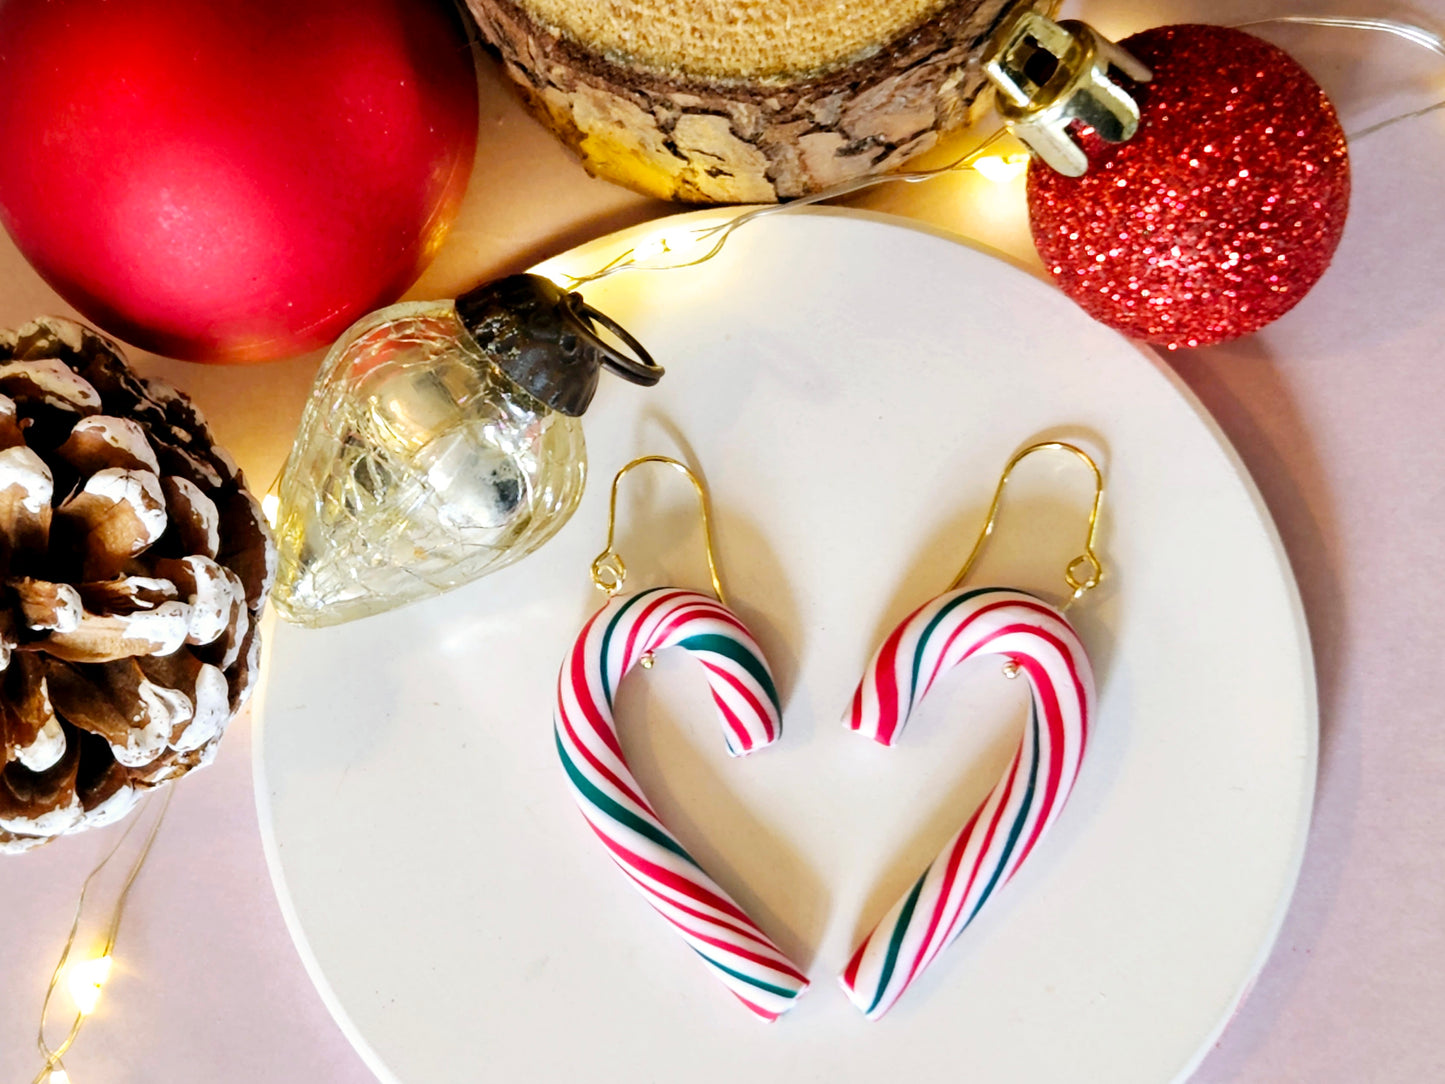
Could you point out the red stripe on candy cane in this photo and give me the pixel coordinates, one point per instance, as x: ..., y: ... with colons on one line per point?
x: 982, y: 611
x: 630, y: 653
x: 752, y: 967
x: 698, y: 893
x: 754, y: 705
x: 633, y: 793
x: 643, y: 886
x: 961, y: 625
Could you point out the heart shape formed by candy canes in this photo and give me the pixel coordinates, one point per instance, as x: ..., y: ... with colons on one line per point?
x: 627, y: 631
x: 1038, y: 643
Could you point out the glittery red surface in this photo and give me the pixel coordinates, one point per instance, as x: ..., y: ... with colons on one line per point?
x: 1221, y: 212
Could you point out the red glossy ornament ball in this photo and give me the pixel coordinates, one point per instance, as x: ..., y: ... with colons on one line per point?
x: 232, y: 180
x: 1221, y: 212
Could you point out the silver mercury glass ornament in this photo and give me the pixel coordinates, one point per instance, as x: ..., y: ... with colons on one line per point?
x: 441, y: 442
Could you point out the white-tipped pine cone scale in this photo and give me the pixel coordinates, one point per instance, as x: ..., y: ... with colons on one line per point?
x: 1038, y: 644
x: 133, y: 567
x: 626, y: 632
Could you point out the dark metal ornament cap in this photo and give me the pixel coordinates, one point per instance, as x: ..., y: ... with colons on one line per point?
x: 545, y: 339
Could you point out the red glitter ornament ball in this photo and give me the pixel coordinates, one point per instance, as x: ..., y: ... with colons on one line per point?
x: 1221, y: 212
x: 232, y: 180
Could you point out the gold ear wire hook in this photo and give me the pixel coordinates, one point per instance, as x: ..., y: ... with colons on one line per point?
x: 1087, y: 560
x: 608, y: 571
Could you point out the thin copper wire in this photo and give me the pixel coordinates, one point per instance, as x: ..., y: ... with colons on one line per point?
x: 53, y: 1057
x: 720, y: 232
x: 608, y: 570
x: 1087, y: 560
x: 1416, y: 35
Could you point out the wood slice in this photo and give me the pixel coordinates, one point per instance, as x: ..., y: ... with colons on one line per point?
x: 711, y: 101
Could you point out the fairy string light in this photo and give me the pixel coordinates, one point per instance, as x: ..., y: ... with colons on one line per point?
x: 636, y: 258
x: 999, y: 168
x: 85, y: 978
x: 1416, y: 35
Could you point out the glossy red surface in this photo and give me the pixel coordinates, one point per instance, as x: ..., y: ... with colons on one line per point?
x: 232, y: 181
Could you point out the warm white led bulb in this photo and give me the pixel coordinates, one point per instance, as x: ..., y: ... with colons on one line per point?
x: 1002, y: 168
x: 651, y: 249
x: 84, y: 978
x: 269, y: 504
x: 58, y: 1076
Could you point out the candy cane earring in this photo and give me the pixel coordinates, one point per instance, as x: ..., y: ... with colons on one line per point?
x: 1037, y: 642
x: 628, y: 631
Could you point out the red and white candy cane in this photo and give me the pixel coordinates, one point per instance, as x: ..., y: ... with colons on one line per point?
x: 1039, y: 644
x: 625, y: 632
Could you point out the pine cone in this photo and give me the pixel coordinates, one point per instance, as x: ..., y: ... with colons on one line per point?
x: 133, y: 567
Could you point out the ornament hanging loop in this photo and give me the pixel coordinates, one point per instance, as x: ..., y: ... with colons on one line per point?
x: 639, y: 368
x: 608, y: 571
x: 1049, y: 76
x: 1085, y: 571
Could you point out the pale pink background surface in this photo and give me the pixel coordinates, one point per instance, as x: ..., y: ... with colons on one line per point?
x: 1338, y: 412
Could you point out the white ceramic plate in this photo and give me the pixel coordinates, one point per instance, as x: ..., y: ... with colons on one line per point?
x: 851, y: 387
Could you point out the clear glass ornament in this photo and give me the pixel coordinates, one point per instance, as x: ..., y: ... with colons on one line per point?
x: 441, y: 442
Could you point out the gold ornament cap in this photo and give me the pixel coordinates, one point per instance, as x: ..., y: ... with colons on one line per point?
x: 1047, y: 76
